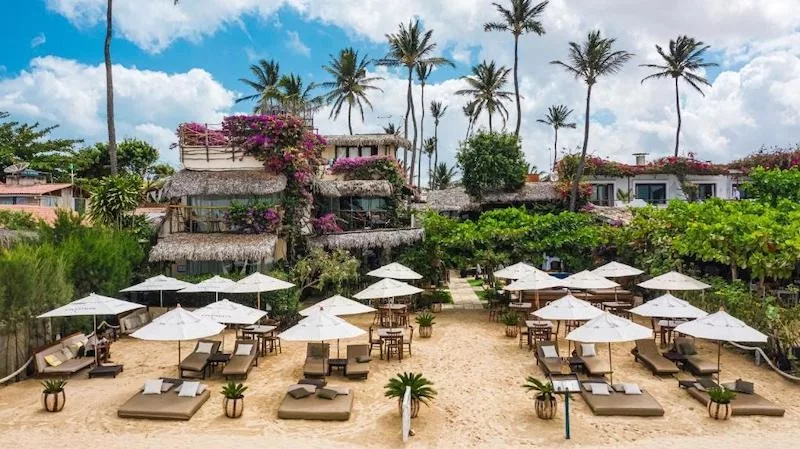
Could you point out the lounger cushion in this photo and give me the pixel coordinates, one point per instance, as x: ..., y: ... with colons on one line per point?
x: 153, y: 386
x: 587, y: 350
x: 314, y: 367
x: 617, y: 404
x: 162, y: 406
x: 745, y: 387
x: 549, y: 352
x: 70, y: 366
x: 314, y: 407
x: 687, y: 348
x: 244, y: 349
x: 327, y: 393
x: 66, y: 354
x: 319, y: 383
x: 299, y: 392
x: 698, y: 365
x: 632, y: 389
x: 194, y: 362
x: 601, y: 389
x: 363, y: 359
x: 238, y: 365
x: 743, y: 404
x: 204, y: 347
x: 707, y: 382
x: 188, y: 389
x: 52, y: 360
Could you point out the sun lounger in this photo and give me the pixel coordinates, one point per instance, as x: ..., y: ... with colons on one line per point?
x: 167, y: 405
x: 647, y: 352
x: 66, y: 356
x: 595, y: 365
x: 354, y: 368
x: 316, y: 364
x: 317, y: 408
x: 694, y: 363
x: 240, y: 365
x: 196, y: 362
x: 549, y: 365
x: 743, y: 404
x: 617, y: 403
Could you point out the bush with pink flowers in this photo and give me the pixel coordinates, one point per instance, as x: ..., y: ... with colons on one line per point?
x: 326, y: 224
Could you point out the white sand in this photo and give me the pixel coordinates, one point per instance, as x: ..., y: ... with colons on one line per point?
x: 477, y: 371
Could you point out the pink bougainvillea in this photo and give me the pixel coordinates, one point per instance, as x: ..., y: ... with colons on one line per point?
x: 326, y: 224
x: 197, y: 134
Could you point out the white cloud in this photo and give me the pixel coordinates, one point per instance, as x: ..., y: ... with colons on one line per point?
x: 38, y: 40
x: 296, y: 44
x: 253, y: 55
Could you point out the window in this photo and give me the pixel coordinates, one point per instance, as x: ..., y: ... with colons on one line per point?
x: 7, y: 200
x: 356, y: 151
x: 652, y: 193
x: 356, y: 212
x: 50, y: 201
x: 706, y: 191
x: 602, y: 194
x: 207, y: 213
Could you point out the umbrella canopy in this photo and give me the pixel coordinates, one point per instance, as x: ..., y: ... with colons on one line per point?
x: 586, y: 280
x: 616, y: 270
x: 214, y: 285
x: 608, y: 328
x: 257, y: 283
x: 395, y: 271
x: 721, y: 326
x: 535, y: 282
x: 668, y: 306
x: 568, y: 308
x: 338, y: 305
x: 159, y: 284
x: 177, y: 325
x: 92, y: 305
x: 517, y: 271
x: 387, y: 288
x: 674, y: 281
x: 229, y: 312
x: 319, y: 326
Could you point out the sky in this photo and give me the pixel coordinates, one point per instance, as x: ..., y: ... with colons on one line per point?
x: 182, y: 63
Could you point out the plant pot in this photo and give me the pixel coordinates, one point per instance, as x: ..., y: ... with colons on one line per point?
x: 425, y: 331
x: 511, y: 331
x: 546, y: 408
x: 436, y: 307
x: 414, y: 407
x: 719, y: 411
x: 233, y: 407
x: 54, y: 402
x: 532, y: 177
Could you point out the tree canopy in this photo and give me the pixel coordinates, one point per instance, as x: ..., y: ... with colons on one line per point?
x: 492, y: 162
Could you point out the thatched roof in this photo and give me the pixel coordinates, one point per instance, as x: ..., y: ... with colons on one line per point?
x: 357, y: 187
x: 9, y: 238
x: 233, y: 182
x: 455, y: 199
x: 222, y: 247
x: 616, y: 216
x: 368, y: 139
x: 374, y: 238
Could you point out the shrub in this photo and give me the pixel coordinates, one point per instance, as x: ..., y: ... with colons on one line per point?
x: 326, y: 224
x: 17, y: 221
x: 492, y: 162
x: 254, y: 217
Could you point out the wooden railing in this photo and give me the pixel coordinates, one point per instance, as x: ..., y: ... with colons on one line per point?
x: 198, y: 219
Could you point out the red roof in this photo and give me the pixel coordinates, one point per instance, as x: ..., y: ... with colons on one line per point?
x: 46, y: 214
x: 36, y: 189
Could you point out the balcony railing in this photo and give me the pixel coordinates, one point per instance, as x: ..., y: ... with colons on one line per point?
x: 198, y: 219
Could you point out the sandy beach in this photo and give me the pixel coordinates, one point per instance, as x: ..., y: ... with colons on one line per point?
x: 476, y: 370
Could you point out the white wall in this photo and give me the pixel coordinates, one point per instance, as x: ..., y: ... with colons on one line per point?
x: 723, y: 183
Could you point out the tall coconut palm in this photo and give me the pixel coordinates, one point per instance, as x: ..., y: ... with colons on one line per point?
x: 520, y: 19
x: 295, y: 97
x: 391, y: 129
x: 428, y: 148
x: 469, y: 111
x: 684, y: 59
x: 442, y: 176
x: 589, y: 61
x: 557, y: 117
x: 112, y: 132
x: 437, y: 112
x: 423, y: 72
x: 411, y: 45
x: 486, y: 89
x: 350, y: 84
x: 267, y: 94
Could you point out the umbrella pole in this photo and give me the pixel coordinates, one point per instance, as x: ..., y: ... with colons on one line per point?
x: 537, y: 299
x: 337, y: 348
x: 258, y: 300
x: 161, y: 298
x: 609, y: 363
x: 179, y: 359
x: 96, y: 340
x: 719, y: 351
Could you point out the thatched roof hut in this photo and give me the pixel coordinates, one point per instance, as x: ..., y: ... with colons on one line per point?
x: 222, y: 247
x: 9, y: 238
x: 373, y: 238
x: 455, y: 199
x: 360, y: 140
x: 616, y: 216
x: 356, y: 187
x: 233, y: 182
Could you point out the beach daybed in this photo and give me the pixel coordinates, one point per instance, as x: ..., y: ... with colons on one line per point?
x: 197, y: 361
x: 647, y: 352
x: 551, y: 364
x: 616, y: 402
x: 166, y: 405
x: 312, y: 405
x: 243, y: 358
x: 694, y: 363
x: 64, y: 357
x: 595, y: 366
x: 745, y: 404
x: 316, y: 364
x: 358, y: 359
x: 133, y: 321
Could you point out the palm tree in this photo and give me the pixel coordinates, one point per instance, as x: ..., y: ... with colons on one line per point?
x: 486, y: 84
x: 520, y: 19
x: 684, y: 59
x: 350, y: 84
x: 429, y: 147
x: 469, y: 111
x: 391, y: 129
x: 557, y: 117
x: 442, y: 176
x: 296, y: 98
x: 437, y: 112
x: 112, y: 133
x: 408, y: 47
x: 265, y: 85
x: 588, y: 62
x: 423, y: 72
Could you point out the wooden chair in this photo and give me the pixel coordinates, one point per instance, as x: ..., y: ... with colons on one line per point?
x: 375, y: 341
x: 495, y: 309
x: 394, y: 345
x: 542, y: 333
x: 522, y: 331
x: 407, y: 343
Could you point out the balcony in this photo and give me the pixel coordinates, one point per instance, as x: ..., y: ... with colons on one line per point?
x: 206, y: 220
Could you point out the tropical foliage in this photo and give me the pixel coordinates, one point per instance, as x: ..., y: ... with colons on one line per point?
x: 438, y: 112
x: 322, y: 270
x: 443, y: 176
x: 492, y: 162
x: 557, y: 117
x: 254, y: 217
x: 486, y: 90
x: 421, y: 389
x: 114, y: 198
x: 350, y: 84
x: 232, y: 390
x: 544, y: 389
x: 774, y: 185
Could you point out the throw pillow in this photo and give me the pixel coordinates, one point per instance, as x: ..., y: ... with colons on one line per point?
x: 153, y: 386
x: 699, y: 387
x: 326, y: 393
x: 299, y: 392
x: 52, y: 360
x: 587, y: 350
x: 66, y: 354
x: 189, y: 389
x: 632, y: 389
x: 619, y: 388
x: 319, y: 383
x: 204, y: 347
x: 687, y: 349
x: 243, y: 349
x: 202, y: 388
x: 742, y: 386
x: 600, y: 389
x: 165, y: 386
x: 707, y: 382
x: 363, y: 359
x: 549, y: 352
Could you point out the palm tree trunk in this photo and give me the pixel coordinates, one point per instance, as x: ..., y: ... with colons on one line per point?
x: 405, y: 125
x: 112, y: 134
x: 469, y: 125
x: 555, y: 149
x: 516, y: 84
x: 435, y: 153
x: 490, y: 122
x: 413, y: 122
x: 349, y: 114
x: 573, y: 200
x: 677, y: 108
x: 422, y: 135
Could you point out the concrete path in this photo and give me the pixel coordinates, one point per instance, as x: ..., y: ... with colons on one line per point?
x: 464, y: 296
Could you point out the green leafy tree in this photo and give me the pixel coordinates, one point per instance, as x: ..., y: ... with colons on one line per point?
x: 557, y: 117
x: 322, y: 270
x: 521, y: 18
x: 492, y: 162
x: 588, y: 62
x: 771, y: 186
x: 113, y: 200
x: 486, y: 89
x: 267, y: 94
x: 17, y: 220
x: 32, y: 143
x: 437, y: 112
x: 134, y: 156
x: 684, y: 60
x: 350, y: 84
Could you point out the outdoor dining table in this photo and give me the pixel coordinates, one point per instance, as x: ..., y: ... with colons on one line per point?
x: 389, y: 335
x: 259, y: 332
x: 617, y: 308
x: 521, y: 308
x: 531, y: 324
x: 395, y: 311
x: 665, y: 328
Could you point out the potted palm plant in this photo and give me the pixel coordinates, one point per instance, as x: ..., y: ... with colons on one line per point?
x: 53, y: 397
x: 545, y: 397
x: 510, y: 320
x: 719, y: 405
x: 421, y: 391
x: 233, y: 402
x: 425, y: 320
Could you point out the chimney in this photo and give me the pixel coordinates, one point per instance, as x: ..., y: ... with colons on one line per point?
x: 641, y: 158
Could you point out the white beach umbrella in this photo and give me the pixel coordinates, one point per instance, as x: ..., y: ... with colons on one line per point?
x: 338, y: 305
x: 387, y: 288
x: 534, y: 282
x: 568, y: 308
x: 668, y: 306
x: 257, y: 283
x: 674, y: 281
x: 721, y: 326
x: 609, y: 328
x: 229, y: 312
x: 214, y: 285
x: 586, y: 280
x: 616, y: 270
x: 178, y: 325
x: 518, y: 270
x: 395, y: 270
x: 159, y: 284
x: 321, y: 326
